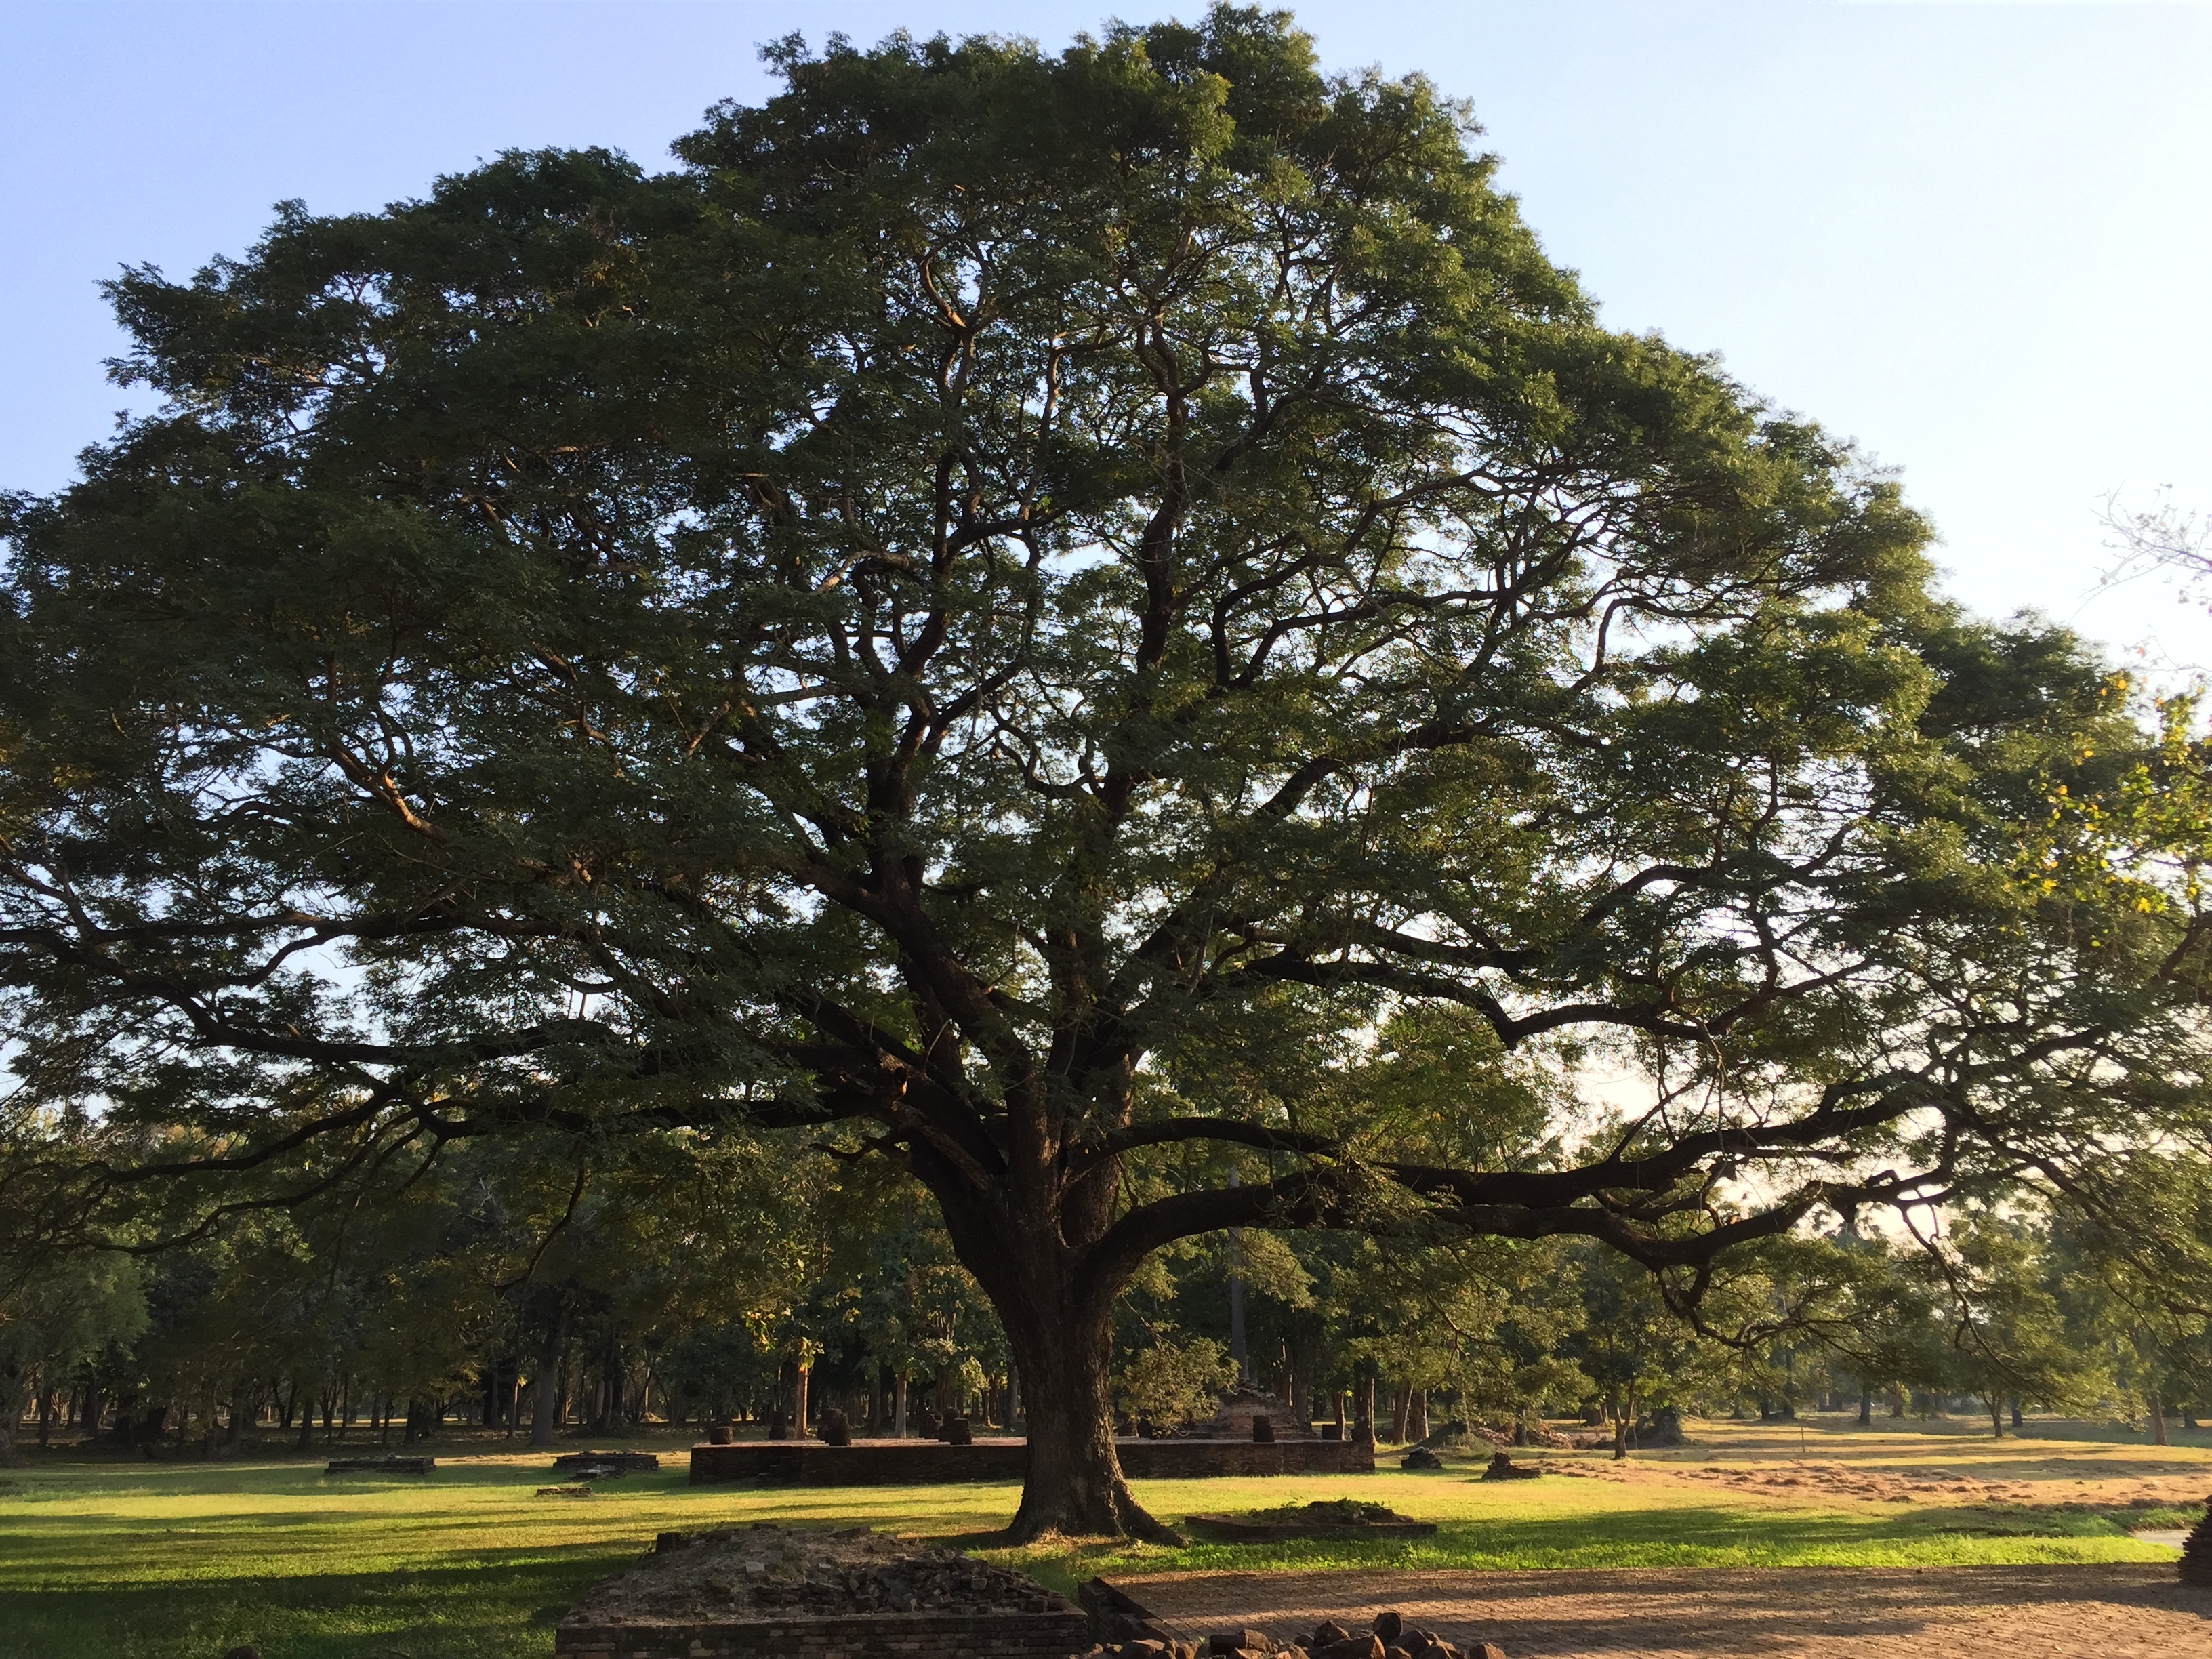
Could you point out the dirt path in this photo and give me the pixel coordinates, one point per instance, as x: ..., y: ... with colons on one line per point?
x: 2102, y: 1611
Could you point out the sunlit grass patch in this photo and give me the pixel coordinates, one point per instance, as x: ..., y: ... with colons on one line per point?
x: 116, y: 1560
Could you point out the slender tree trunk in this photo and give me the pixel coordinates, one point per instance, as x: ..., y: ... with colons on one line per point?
x: 544, y: 1424
x: 1866, y: 1407
x: 801, y: 1372
x: 2157, y: 1419
x: 898, y: 1407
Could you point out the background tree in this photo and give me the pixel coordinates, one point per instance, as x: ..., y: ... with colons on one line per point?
x: 1003, y: 588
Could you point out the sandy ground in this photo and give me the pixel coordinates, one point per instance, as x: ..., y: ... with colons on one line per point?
x: 2072, y: 1612
x: 1829, y: 1460
x: 1985, y: 1476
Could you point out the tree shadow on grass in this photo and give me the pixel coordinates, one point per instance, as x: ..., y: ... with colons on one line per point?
x: 497, y: 1603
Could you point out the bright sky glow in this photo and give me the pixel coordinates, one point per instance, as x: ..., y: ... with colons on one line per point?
x: 1975, y: 237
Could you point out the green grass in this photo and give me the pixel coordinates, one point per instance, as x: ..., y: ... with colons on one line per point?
x: 133, y: 1560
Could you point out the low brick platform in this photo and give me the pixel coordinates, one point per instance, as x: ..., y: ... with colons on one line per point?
x: 379, y: 1466
x: 766, y: 1592
x: 1196, y: 1459
x: 866, y: 1636
x: 928, y: 1462
x: 630, y: 1463
x: 863, y: 1463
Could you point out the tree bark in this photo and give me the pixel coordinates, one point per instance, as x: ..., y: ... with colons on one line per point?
x: 1074, y: 1485
x: 2157, y: 1419
x: 1041, y: 1249
x: 544, y: 1427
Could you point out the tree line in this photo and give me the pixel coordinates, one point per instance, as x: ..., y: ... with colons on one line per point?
x: 775, y: 1283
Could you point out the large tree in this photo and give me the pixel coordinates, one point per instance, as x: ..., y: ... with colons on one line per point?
x: 1013, y: 608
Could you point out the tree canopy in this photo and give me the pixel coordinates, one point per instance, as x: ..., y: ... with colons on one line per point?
x: 1080, y: 621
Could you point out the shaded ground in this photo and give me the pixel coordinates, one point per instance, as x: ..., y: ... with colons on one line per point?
x: 2068, y: 1612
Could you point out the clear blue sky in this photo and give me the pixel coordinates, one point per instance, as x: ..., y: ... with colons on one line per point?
x: 1976, y: 237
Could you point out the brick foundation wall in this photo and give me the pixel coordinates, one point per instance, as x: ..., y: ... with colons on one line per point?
x: 864, y: 1463
x: 1057, y: 1635
x: 928, y: 1462
x: 1195, y: 1459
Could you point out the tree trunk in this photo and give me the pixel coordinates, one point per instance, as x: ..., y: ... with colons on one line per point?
x: 1074, y: 1485
x: 1866, y: 1407
x: 802, y: 1373
x: 2157, y: 1419
x: 545, y: 1425
x: 1400, y: 1397
x: 1416, y: 1423
x: 898, y: 1407
x: 1035, y: 1246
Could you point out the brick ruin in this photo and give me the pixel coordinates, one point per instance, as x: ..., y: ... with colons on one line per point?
x: 924, y: 1462
x: 767, y: 1592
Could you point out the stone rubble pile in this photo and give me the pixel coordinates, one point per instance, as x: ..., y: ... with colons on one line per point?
x: 1503, y: 1467
x: 1391, y: 1638
x: 765, y: 1569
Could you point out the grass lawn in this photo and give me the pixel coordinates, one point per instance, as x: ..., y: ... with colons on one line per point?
x: 108, y: 1559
